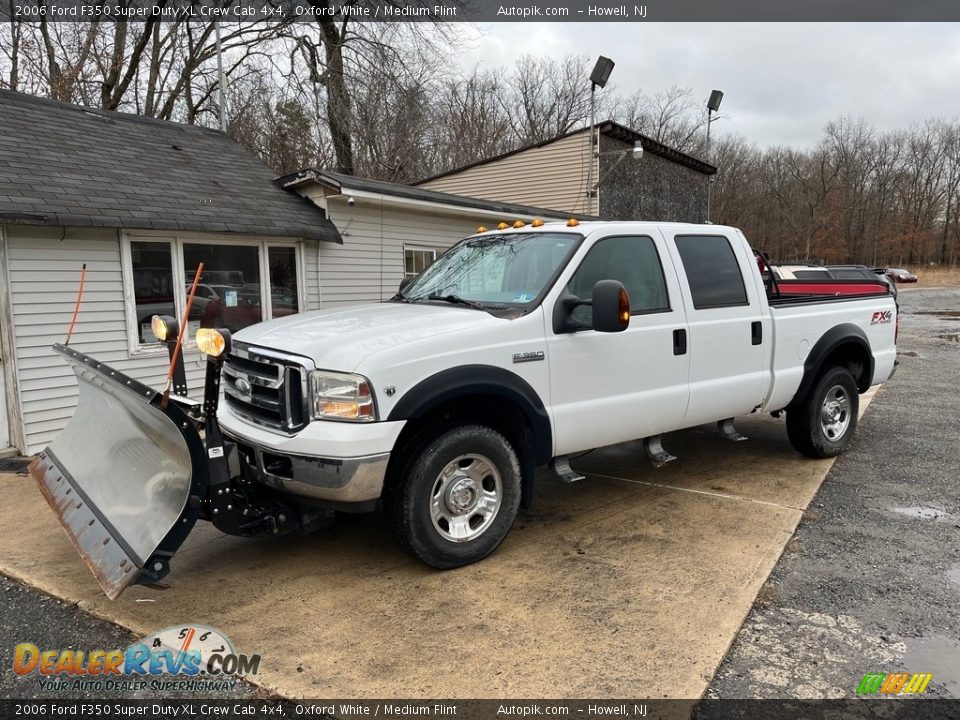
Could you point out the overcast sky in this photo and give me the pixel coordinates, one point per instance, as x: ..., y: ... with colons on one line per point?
x: 782, y: 82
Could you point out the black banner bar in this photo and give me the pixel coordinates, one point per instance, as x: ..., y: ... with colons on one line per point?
x: 486, y: 10
x: 893, y: 708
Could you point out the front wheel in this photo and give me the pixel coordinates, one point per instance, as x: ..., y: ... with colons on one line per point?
x: 823, y: 424
x: 457, y: 497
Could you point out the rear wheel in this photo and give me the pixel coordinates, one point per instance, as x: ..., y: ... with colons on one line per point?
x: 457, y: 496
x: 824, y: 423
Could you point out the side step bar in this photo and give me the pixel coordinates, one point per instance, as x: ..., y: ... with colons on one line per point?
x: 561, y: 466
x: 657, y: 456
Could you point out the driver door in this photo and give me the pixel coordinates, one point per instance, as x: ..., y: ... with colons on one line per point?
x: 612, y: 387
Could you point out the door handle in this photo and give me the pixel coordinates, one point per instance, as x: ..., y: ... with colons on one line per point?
x: 756, y: 332
x: 680, y: 342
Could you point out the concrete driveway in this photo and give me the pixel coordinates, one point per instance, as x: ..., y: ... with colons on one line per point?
x: 632, y: 583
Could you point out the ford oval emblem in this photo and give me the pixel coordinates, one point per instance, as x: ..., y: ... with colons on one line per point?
x: 243, y: 387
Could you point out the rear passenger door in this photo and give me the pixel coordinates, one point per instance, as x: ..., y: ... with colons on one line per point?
x: 729, y: 331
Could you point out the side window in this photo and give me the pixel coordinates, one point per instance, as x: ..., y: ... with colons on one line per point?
x: 712, y: 271
x: 631, y: 260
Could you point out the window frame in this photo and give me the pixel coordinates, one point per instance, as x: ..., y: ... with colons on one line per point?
x: 686, y: 277
x: 663, y: 274
x: 180, y: 282
x: 419, y: 248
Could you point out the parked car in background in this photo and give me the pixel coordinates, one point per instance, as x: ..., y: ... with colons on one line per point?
x: 901, y: 276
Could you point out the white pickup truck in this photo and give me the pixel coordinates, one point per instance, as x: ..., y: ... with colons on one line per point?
x: 516, y: 349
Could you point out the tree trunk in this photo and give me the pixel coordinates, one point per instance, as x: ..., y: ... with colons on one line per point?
x: 338, y: 96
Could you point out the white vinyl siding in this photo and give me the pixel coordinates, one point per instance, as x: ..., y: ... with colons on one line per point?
x: 551, y: 176
x: 369, y: 266
x: 44, y: 270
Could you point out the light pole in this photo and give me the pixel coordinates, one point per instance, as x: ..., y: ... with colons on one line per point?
x: 598, y: 78
x: 713, y: 105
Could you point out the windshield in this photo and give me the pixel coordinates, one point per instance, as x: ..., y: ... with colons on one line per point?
x: 499, y: 270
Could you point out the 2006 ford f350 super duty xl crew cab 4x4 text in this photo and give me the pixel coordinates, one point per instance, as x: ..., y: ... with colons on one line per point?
x: 516, y: 348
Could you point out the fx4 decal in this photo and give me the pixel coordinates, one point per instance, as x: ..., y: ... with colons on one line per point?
x: 881, y: 316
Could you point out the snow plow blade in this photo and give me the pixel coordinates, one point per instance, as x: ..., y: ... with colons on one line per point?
x: 121, y: 474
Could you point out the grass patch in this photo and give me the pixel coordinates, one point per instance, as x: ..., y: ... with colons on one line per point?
x: 938, y: 276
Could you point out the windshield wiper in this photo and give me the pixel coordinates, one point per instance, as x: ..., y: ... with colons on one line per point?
x: 400, y: 297
x: 457, y: 300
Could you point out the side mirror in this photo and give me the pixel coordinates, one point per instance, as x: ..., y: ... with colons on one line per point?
x: 611, y: 307
x: 610, y: 304
x: 406, y: 281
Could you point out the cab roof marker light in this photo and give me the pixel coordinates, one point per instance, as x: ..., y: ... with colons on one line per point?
x: 518, y: 224
x: 481, y: 229
x: 537, y: 222
x: 572, y: 222
x: 502, y: 226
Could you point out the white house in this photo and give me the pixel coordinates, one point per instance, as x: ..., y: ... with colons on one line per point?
x: 141, y: 203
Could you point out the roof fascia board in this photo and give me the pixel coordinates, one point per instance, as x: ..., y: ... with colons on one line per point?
x: 411, y: 203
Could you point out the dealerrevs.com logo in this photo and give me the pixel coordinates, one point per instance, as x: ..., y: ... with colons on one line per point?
x: 182, y: 657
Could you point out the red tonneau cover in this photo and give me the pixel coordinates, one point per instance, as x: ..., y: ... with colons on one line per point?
x: 832, y: 287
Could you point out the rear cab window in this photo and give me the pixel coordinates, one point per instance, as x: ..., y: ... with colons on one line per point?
x: 712, y: 271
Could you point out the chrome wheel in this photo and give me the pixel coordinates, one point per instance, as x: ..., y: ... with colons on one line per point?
x: 835, y: 413
x: 466, y: 497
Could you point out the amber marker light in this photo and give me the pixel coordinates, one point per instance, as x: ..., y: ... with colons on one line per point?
x: 537, y: 223
x: 572, y: 222
x: 502, y: 226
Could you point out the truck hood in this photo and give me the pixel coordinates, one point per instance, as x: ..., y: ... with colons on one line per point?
x: 340, y: 339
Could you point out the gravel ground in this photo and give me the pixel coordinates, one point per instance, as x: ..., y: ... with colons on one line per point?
x: 871, y: 580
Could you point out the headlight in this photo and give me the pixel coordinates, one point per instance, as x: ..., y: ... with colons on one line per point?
x: 164, y: 327
x: 213, y: 342
x: 341, y: 396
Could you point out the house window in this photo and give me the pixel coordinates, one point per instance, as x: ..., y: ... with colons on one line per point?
x: 231, y: 283
x: 416, y: 260
x: 283, y: 281
x: 242, y: 283
x: 152, y: 285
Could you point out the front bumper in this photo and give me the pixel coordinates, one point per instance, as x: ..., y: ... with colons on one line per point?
x: 329, y: 462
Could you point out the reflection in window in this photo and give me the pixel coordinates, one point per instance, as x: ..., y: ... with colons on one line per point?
x: 229, y: 294
x: 283, y: 281
x: 152, y: 284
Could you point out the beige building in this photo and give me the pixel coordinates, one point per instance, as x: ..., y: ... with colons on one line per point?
x: 664, y: 184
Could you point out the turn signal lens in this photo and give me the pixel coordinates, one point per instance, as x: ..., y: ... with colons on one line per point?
x: 164, y: 327
x: 624, y: 308
x: 519, y: 224
x: 502, y: 226
x: 481, y: 229
x: 537, y: 222
x: 211, y: 342
x: 572, y: 222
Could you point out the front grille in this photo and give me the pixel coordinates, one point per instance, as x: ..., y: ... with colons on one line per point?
x: 265, y: 388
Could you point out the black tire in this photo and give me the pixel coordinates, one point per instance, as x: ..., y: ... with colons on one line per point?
x: 811, y: 432
x: 419, y: 482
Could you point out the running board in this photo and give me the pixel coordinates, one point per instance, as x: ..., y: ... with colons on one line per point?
x: 561, y: 466
x: 657, y: 456
x: 727, y: 430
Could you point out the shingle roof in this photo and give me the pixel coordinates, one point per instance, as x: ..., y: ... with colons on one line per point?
x: 609, y: 128
x: 63, y: 164
x: 350, y: 182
